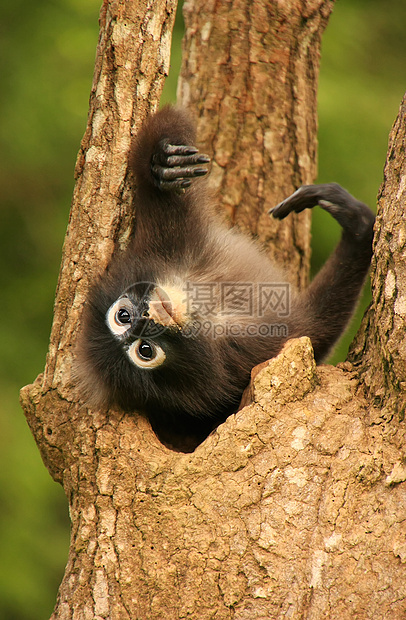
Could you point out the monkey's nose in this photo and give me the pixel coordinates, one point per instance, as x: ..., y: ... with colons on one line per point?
x: 166, y: 309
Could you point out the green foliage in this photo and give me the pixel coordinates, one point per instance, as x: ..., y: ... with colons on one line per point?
x: 47, y: 52
x: 362, y: 82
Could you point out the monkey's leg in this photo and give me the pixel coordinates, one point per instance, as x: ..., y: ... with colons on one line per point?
x: 324, y: 309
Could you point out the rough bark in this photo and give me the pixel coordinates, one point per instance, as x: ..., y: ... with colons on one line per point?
x: 380, y: 348
x: 295, y: 507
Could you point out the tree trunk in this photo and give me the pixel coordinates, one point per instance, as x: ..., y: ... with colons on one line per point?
x: 295, y: 506
x: 380, y: 348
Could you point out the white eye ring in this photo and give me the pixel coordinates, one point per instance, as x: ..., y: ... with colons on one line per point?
x: 156, y: 355
x: 117, y: 328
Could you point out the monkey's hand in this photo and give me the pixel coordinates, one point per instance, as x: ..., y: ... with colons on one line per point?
x: 355, y: 217
x: 173, y: 167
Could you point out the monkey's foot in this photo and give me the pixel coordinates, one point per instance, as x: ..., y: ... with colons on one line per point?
x: 354, y: 216
x: 174, y: 167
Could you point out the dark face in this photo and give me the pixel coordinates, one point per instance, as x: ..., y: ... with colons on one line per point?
x: 147, y: 357
x: 128, y: 321
x: 145, y: 321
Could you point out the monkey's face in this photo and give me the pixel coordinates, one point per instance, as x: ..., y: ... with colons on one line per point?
x: 142, y: 353
x: 129, y: 321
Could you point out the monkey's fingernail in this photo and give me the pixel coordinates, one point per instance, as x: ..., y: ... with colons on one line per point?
x: 199, y: 172
x: 203, y: 159
x: 190, y: 150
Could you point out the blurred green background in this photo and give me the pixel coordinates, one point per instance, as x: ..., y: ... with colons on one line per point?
x: 47, y: 51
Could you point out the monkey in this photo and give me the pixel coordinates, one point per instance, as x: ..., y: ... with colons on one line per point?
x: 175, y: 324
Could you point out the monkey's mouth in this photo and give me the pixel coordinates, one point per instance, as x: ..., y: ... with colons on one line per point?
x: 167, y: 307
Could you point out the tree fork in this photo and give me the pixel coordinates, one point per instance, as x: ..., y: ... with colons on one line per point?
x: 295, y: 506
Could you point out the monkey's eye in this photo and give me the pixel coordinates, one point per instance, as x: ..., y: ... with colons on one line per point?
x: 146, y: 354
x: 120, y: 316
x: 145, y: 350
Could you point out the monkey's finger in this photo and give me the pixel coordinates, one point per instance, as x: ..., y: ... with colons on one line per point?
x: 170, y: 174
x: 177, y: 149
x: 178, y: 155
x: 187, y: 160
x: 175, y: 185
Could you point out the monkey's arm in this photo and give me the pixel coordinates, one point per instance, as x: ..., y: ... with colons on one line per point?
x: 165, y: 162
x: 323, y: 310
